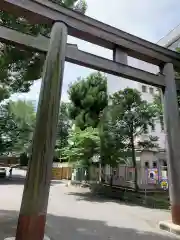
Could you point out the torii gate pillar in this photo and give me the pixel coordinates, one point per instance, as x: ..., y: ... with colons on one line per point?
x: 32, y: 217
x: 172, y: 120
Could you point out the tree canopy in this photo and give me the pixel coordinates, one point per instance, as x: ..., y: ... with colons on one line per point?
x: 17, y: 122
x: 114, y: 148
x: 128, y: 118
x: 83, y: 145
x: 7, y: 129
x: 18, y: 67
x: 88, y: 98
x: 63, y: 129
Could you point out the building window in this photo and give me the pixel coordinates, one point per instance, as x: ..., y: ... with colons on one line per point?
x: 151, y: 90
x: 144, y: 88
x: 146, y: 164
x: 154, y: 164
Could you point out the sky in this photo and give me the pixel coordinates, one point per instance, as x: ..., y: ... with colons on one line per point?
x: 148, y: 19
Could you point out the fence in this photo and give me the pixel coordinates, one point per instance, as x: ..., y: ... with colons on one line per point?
x: 124, y: 176
x: 61, y: 171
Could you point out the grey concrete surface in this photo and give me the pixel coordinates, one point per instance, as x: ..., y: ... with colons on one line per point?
x: 73, y: 213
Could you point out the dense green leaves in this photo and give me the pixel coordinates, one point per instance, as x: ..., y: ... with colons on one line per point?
x: 7, y: 129
x: 24, y: 115
x: 19, y: 68
x: 63, y: 129
x: 123, y: 123
x: 83, y: 145
x: 114, y: 148
x: 88, y: 99
x: 17, y: 121
x: 134, y: 114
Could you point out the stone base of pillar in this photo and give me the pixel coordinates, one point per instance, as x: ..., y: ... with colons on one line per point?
x: 13, y: 238
x: 169, y: 226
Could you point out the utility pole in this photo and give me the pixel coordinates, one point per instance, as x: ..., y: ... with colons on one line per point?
x: 32, y: 217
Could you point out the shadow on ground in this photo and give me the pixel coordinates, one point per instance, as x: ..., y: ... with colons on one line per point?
x: 91, y: 196
x: 67, y: 228
x: 19, y: 180
x: 15, y: 180
x: 54, y: 182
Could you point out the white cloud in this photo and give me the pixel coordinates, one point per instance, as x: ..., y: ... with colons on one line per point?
x: 149, y: 19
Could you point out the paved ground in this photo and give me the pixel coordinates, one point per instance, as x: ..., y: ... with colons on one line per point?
x: 74, y: 214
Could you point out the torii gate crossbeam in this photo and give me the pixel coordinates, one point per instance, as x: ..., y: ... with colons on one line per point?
x: 73, y: 55
x: 91, y: 30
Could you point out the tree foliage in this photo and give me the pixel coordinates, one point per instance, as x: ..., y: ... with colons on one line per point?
x: 63, y: 129
x: 83, y: 145
x: 18, y: 67
x: 130, y: 118
x: 17, y: 122
x: 88, y: 99
x: 7, y: 129
x: 114, y: 149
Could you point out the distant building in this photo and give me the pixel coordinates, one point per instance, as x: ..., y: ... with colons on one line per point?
x: 151, y: 159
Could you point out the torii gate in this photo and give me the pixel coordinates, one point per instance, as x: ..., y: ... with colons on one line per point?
x: 64, y: 21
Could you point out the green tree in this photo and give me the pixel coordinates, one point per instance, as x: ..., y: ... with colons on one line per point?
x: 134, y: 116
x: 8, y: 131
x: 88, y: 98
x: 63, y: 129
x: 19, y: 68
x: 17, y: 125
x: 23, y: 113
x: 83, y: 145
x: 114, y: 147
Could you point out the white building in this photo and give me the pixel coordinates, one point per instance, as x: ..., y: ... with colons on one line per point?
x: 171, y: 41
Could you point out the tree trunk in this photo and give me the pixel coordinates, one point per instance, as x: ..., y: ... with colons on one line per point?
x: 134, y: 162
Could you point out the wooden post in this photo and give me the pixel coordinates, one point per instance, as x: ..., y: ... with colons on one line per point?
x: 171, y: 113
x: 32, y: 217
